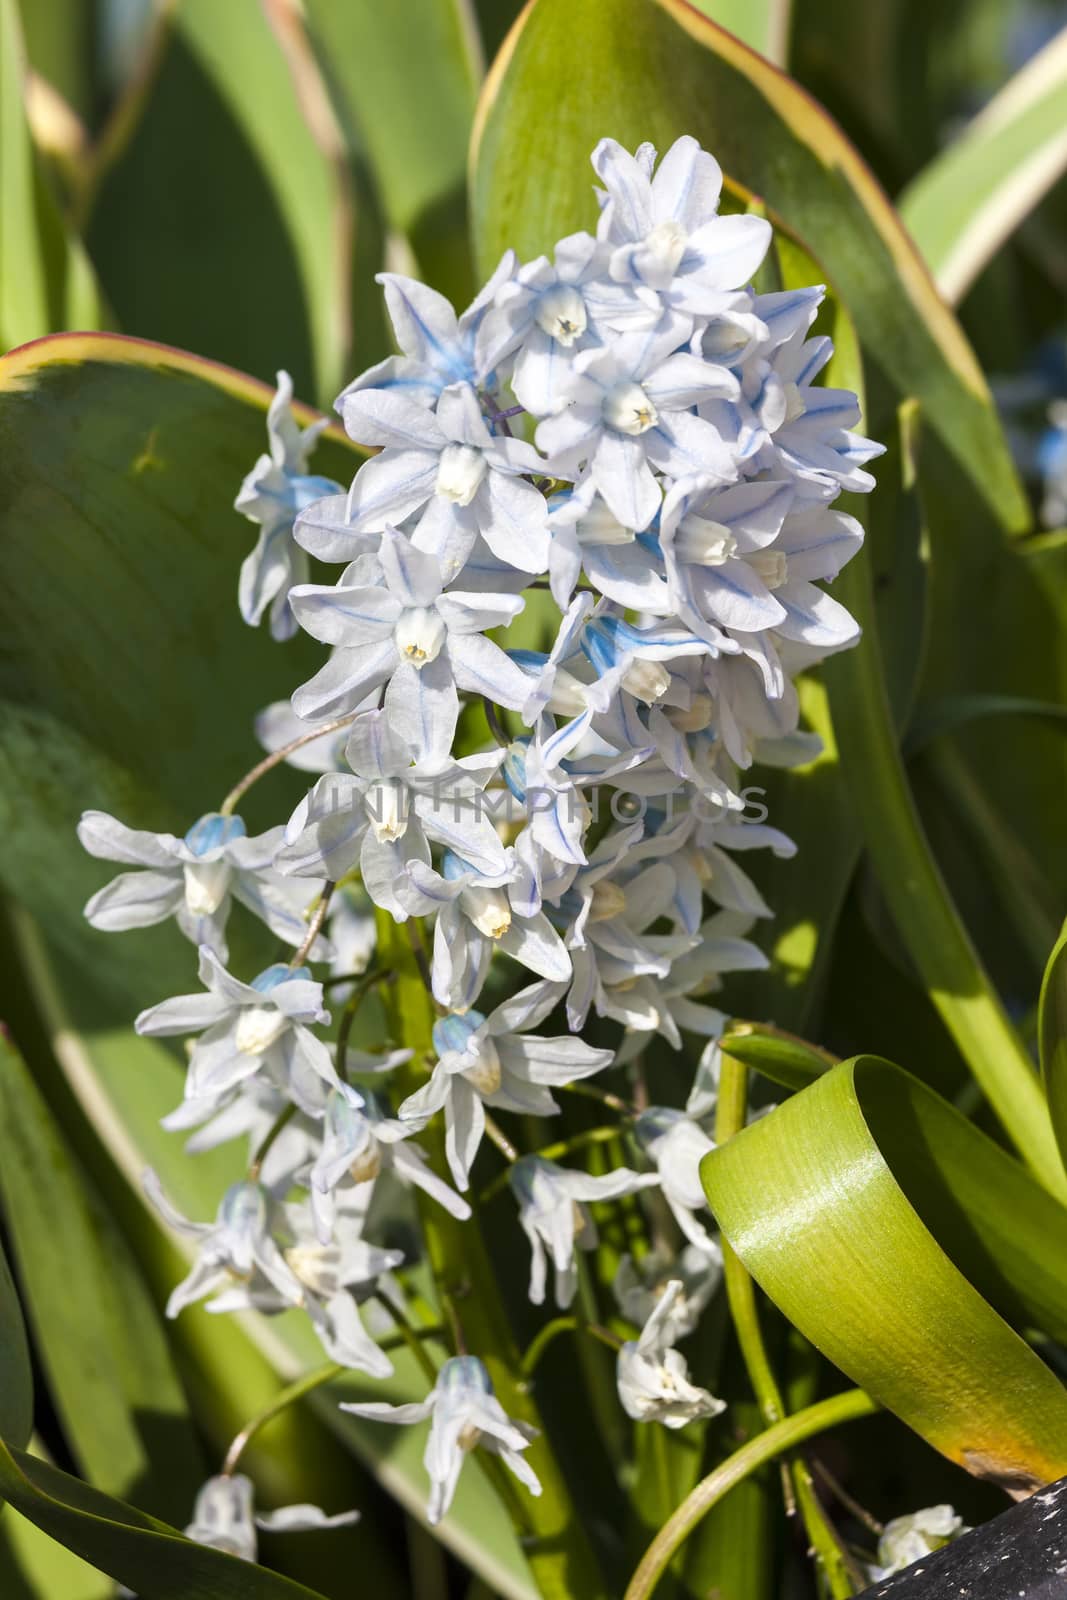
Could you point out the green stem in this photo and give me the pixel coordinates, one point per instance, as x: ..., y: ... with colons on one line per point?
x: 287, y: 1397
x: 785, y: 1435
x: 842, y: 1577
x: 280, y: 1122
x: 410, y: 1337
x: 561, y: 1559
x: 551, y: 1331
x: 911, y: 881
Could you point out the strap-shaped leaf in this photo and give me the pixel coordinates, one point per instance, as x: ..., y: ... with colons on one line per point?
x: 404, y: 80
x: 971, y: 198
x: 137, y: 1550
x: 573, y: 70
x: 899, y: 1239
x: 1052, y: 1038
x: 761, y: 24
x: 16, y: 1377
x: 46, y: 281
x: 98, y: 1333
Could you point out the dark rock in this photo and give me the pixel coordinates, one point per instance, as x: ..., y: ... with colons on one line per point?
x: 1020, y: 1555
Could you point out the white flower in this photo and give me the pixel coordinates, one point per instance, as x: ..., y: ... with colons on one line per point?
x: 401, y: 626
x: 907, y: 1539
x: 469, y: 480
x: 653, y: 1378
x: 247, y: 1028
x: 359, y: 1142
x: 641, y: 1283
x: 554, y: 1214
x: 465, y: 1413
x: 194, y: 879
x: 677, y: 1145
x: 496, y: 1061
x: 224, y: 1519
x: 274, y: 493
x: 627, y: 409
x: 666, y: 234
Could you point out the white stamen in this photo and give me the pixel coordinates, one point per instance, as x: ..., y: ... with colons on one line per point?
x: 646, y: 680
x: 598, y: 526
x: 794, y: 402
x: 704, y: 543
x: 608, y: 901
x: 666, y: 243
x: 561, y: 313
x: 695, y: 717
x: 770, y: 565
x: 419, y: 635
x: 258, y: 1027
x: 460, y: 473
x: 387, y: 807
x: 628, y: 409
x: 488, y: 909
x: 485, y: 1074
x: 205, y: 887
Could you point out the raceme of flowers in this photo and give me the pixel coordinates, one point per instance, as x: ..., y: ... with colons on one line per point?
x: 628, y: 433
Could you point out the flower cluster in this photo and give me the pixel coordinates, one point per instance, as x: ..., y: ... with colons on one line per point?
x: 628, y: 443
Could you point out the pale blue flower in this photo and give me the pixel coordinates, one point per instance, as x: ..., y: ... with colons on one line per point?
x: 438, y: 348
x: 385, y: 815
x: 464, y: 1413
x: 543, y: 318
x: 664, y: 230
x: 555, y: 1217
x: 628, y: 409
x: 653, y: 1378
x: 360, y: 1141
x: 274, y: 494
x: 224, y: 1517
x: 470, y: 481
x: 194, y: 879
x: 426, y: 641
x: 496, y: 1061
x: 247, y: 1028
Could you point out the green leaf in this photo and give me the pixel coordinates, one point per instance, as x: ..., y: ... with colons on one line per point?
x: 125, y: 713
x: 404, y: 81
x: 655, y: 69
x: 16, y: 1377
x: 935, y: 718
x: 1052, y: 1038
x: 137, y: 1550
x: 761, y: 24
x: 224, y: 225
x: 970, y: 199
x: 46, y: 281
x: 782, y: 1057
x: 898, y: 1239
x: 96, y: 1329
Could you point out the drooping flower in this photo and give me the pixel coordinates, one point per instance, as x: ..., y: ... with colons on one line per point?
x: 554, y: 1214
x: 274, y: 493
x: 224, y: 1517
x: 653, y: 1377
x: 464, y: 1413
